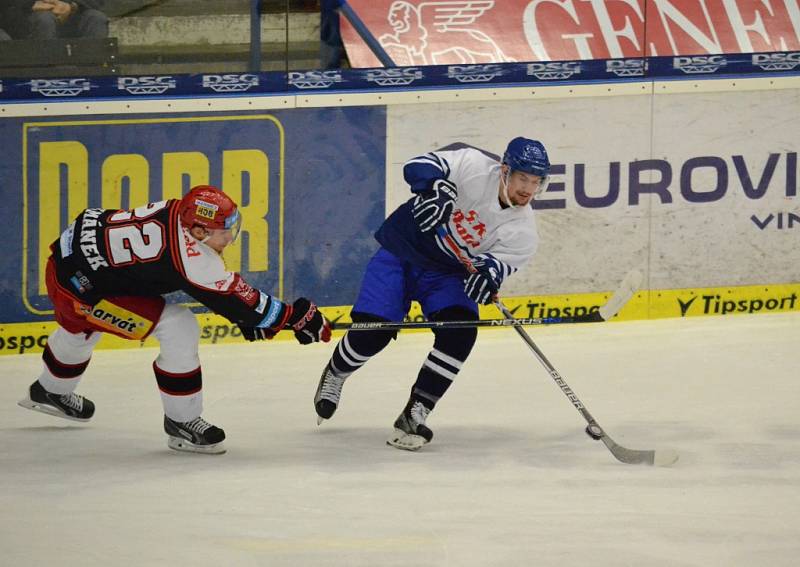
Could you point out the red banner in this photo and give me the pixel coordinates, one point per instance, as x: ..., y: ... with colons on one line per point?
x: 436, y: 32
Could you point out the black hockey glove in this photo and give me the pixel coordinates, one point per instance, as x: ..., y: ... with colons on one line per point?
x: 309, y: 325
x: 483, y: 285
x: 256, y: 333
x: 268, y: 333
x: 434, y: 207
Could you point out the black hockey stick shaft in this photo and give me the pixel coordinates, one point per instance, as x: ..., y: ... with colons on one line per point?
x: 593, y: 317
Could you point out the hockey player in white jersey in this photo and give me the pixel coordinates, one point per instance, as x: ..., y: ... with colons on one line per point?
x: 467, y: 209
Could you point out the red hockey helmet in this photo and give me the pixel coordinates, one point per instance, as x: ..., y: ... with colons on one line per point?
x: 210, y: 208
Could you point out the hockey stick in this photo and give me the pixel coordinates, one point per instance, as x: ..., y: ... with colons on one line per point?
x: 659, y: 458
x: 593, y: 317
x: 621, y: 296
x: 603, y: 313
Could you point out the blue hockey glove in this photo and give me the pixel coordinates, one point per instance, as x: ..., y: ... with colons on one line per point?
x: 434, y: 207
x: 483, y: 285
x: 480, y: 288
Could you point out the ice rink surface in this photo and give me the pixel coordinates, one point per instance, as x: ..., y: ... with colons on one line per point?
x: 509, y: 479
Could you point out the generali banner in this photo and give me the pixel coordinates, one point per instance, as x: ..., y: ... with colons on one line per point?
x: 446, y: 32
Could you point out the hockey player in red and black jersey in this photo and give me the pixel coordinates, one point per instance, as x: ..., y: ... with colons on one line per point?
x: 107, y: 274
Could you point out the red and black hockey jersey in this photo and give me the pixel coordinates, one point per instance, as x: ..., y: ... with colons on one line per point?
x: 147, y: 252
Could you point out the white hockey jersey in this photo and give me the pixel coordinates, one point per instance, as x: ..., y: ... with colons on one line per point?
x: 479, y: 226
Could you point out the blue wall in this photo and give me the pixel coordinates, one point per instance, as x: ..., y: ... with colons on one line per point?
x: 323, y: 168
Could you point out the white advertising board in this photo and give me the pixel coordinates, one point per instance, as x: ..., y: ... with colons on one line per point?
x: 733, y: 217
x: 695, y: 190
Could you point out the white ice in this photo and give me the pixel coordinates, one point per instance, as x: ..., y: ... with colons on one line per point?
x: 510, y: 478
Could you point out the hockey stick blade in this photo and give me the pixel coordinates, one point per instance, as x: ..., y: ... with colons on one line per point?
x: 629, y: 286
x: 660, y: 458
x: 593, y: 429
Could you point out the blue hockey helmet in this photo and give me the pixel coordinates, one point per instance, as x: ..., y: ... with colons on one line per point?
x: 528, y: 156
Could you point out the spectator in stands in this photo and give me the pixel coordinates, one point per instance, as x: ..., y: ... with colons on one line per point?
x: 331, y: 49
x: 53, y: 19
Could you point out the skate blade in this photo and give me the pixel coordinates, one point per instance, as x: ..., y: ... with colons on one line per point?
x: 320, y: 419
x: 407, y: 441
x: 179, y: 444
x: 28, y: 403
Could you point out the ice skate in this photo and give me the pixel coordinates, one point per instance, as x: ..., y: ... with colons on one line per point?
x: 410, y: 431
x: 69, y: 406
x: 328, y: 393
x: 195, y: 436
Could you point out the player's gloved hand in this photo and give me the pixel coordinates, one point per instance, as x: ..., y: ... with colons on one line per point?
x: 308, y: 323
x: 480, y: 288
x: 256, y: 333
x: 268, y: 332
x: 433, y: 207
x: 483, y: 285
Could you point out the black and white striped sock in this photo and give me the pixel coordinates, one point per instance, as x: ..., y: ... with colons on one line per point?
x: 355, y: 349
x: 435, y: 377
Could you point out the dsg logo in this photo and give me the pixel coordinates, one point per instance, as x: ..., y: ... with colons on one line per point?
x: 474, y: 73
x: 699, y: 63
x: 314, y: 79
x: 776, y: 61
x: 145, y: 85
x: 393, y: 77
x: 627, y: 67
x: 554, y: 70
x: 231, y: 83
x: 60, y: 87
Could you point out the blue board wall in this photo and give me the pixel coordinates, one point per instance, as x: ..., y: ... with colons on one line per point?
x: 310, y: 182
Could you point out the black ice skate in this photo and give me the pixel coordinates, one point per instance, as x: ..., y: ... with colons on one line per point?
x: 195, y: 436
x: 410, y: 431
x: 328, y: 393
x: 69, y: 406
